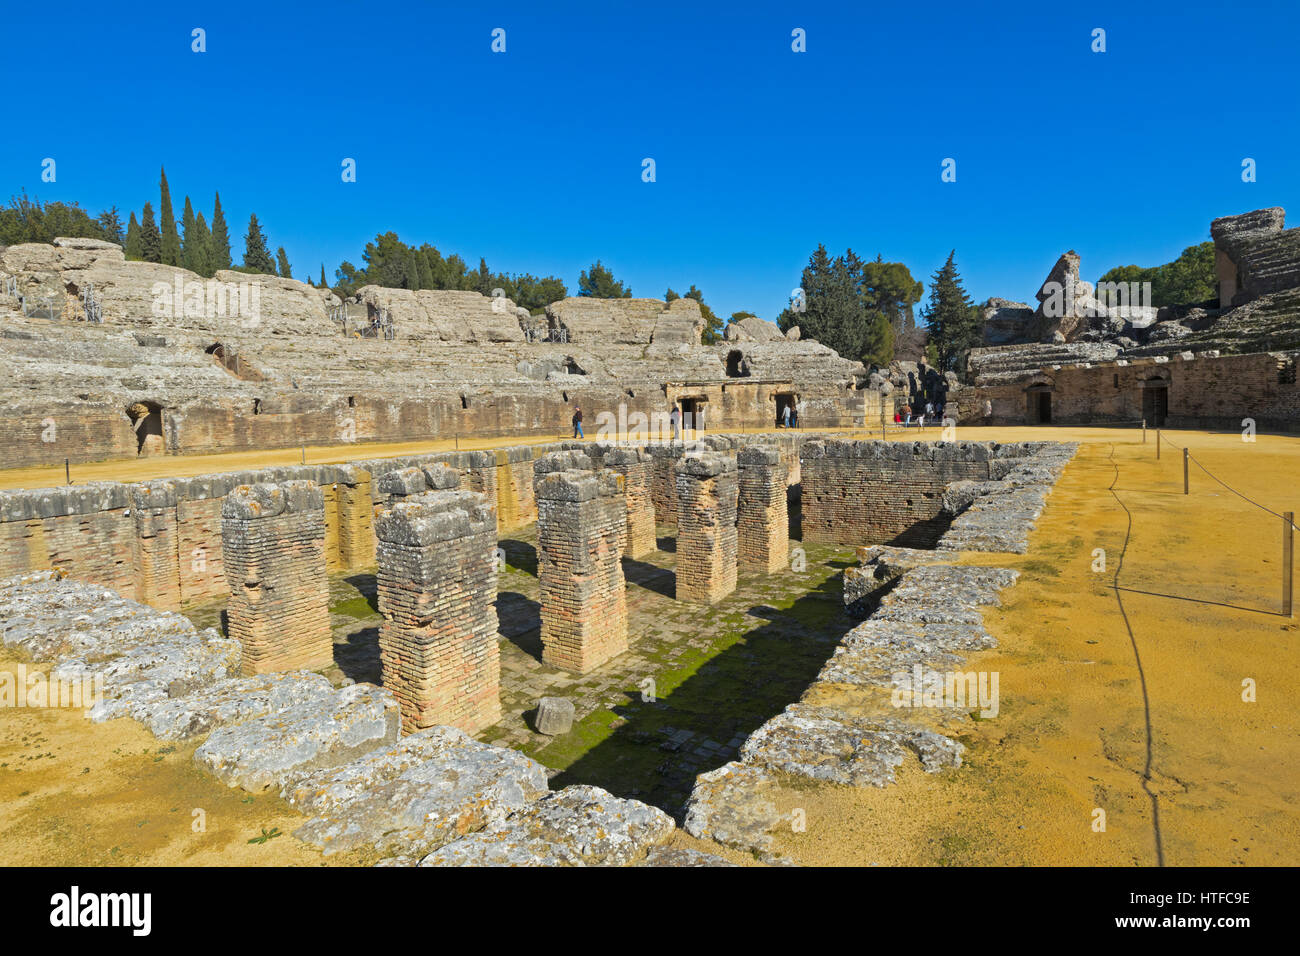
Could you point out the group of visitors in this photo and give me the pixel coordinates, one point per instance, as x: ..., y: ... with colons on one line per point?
x: 907, y: 418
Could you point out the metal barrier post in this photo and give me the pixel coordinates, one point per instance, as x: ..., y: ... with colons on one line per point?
x: 1157, y: 443
x: 1185, y: 485
x: 1144, y: 431
x: 1288, y: 558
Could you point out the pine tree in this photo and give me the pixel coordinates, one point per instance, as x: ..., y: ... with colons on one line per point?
x: 282, y: 263
x: 952, y: 319
x: 220, y: 237
x: 150, y: 237
x: 601, y: 284
x: 171, y: 242
x: 257, y: 258
x: 133, y: 250
x: 202, y: 247
x: 111, y: 222
x: 670, y: 295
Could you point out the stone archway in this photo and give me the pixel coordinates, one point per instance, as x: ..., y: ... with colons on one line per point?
x: 147, y: 422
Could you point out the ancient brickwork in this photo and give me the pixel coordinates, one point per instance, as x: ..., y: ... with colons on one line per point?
x: 581, y: 530
x: 272, y: 548
x: 885, y: 492
x: 634, y: 465
x: 157, y: 557
x: 706, y: 527
x: 762, y: 522
x: 1202, y: 391
x: 663, y: 480
x: 437, y: 590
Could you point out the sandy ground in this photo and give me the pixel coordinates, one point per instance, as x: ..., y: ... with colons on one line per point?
x: 1071, y: 736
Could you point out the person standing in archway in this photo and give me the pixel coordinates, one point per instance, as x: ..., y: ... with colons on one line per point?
x: 577, y: 422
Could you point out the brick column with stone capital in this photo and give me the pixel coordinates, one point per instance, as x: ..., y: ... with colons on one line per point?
x: 762, y: 522
x: 273, y: 552
x: 581, y: 531
x: 634, y: 465
x: 437, y: 586
x: 706, y: 527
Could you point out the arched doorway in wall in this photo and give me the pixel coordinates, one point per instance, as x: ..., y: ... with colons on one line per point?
x: 1155, y: 401
x: 1038, y: 403
x: 147, y: 421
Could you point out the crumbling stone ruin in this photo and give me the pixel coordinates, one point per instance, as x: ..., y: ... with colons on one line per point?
x: 1080, y: 357
x: 183, y: 365
x: 437, y: 590
x: 393, y: 768
x: 707, y: 492
x: 634, y: 465
x: 273, y: 553
x: 581, y: 535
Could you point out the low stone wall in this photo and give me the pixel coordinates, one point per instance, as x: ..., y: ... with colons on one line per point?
x: 880, y: 491
x: 92, y: 533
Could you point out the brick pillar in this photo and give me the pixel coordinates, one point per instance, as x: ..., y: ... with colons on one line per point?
x: 272, y: 547
x: 157, y: 554
x: 663, y: 480
x: 706, y: 527
x: 479, y: 474
x: 581, y: 531
x: 437, y: 593
x: 762, y: 523
x: 356, y: 518
x: 634, y: 465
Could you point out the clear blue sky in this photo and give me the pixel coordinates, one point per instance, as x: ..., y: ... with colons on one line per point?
x: 532, y: 158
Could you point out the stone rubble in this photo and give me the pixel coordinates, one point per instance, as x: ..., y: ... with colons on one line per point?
x: 414, y: 796
x: 578, y: 826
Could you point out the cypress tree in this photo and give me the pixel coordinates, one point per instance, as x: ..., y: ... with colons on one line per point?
x: 323, y: 283
x: 133, y: 250
x: 171, y: 242
x: 190, y: 239
x: 202, y: 247
x: 220, y: 258
x: 282, y: 263
x: 150, y: 237
x: 256, y: 256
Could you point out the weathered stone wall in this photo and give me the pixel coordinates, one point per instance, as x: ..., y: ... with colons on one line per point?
x: 878, y: 492
x: 272, y: 551
x: 437, y: 584
x: 762, y: 522
x: 581, y: 534
x: 1202, y: 392
x: 706, y: 527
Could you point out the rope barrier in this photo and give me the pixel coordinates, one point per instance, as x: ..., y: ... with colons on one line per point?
x: 1245, y: 498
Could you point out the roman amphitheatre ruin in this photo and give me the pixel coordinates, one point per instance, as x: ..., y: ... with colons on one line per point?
x: 341, y: 590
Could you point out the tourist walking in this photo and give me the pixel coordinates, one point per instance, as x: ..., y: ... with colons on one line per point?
x: 794, y: 415
x: 785, y: 417
x: 577, y: 422
x: 674, y: 419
